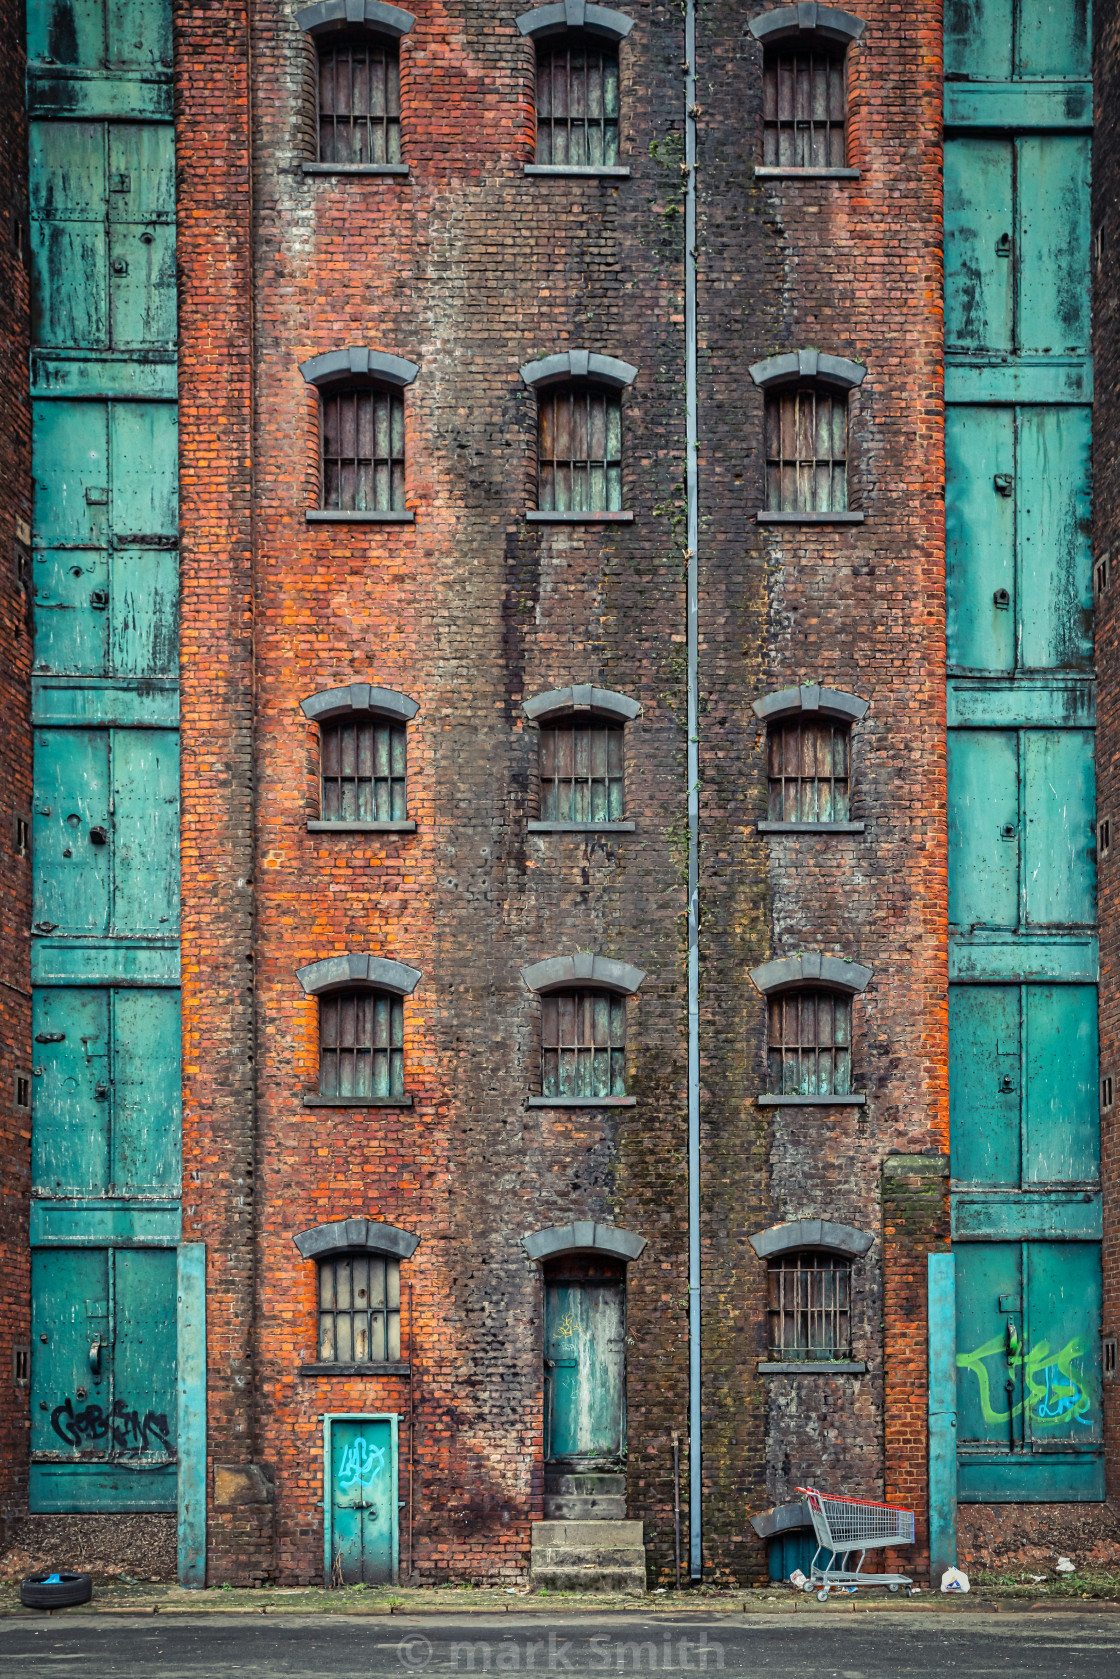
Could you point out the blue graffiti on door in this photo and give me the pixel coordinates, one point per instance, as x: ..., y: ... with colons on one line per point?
x: 361, y: 1465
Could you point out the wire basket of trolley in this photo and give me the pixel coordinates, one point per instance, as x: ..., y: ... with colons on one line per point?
x: 842, y: 1527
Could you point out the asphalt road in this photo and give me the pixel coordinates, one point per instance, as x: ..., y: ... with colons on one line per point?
x: 826, y: 1646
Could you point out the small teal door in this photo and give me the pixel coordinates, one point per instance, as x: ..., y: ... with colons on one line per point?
x: 1028, y: 1371
x: 585, y: 1360
x: 361, y: 1503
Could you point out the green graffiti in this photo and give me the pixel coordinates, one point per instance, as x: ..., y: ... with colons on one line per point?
x: 1054, y: 1395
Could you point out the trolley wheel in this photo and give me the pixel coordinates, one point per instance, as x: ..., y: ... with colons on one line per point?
x: 808, y: 1586
x: 892, y: 1588
x: 822, y: 1595
x: 912, y: 1591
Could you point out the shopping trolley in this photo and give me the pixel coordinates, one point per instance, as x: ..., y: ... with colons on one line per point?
x: 845, y: 1525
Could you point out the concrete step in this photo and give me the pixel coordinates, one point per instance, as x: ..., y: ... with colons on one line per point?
x: 590, y: 1535
x: 570, y: 1507
x: 584, y: 1484
x: 588, y: 1555
x: 591, y: 1578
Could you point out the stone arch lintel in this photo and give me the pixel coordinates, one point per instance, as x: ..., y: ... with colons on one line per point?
x: 359, y: 698
x: 816, y: 365
x: 828, y: 702
x: 357, y: 365
x: 788, y: 23
x: 561, y: 702
x: 786, y: 973
x: 371, y: 15
x: 584, y: 1236
x: 812, y: 1233
x: 544, y: 21
x: 559, y: 973
x: 356, y: 1235
x: 355, y: 968
x: 579, y: 364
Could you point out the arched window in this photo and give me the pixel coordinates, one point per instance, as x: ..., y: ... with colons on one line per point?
x: 581, y: 756
x: 807, y: 769
x: 361, y: 432
x: 809, y: 1043
x: 810, y: 1305
x: 359, y: 1309
x: 363, y: 755
x: 359, y: 102
x: 579, y: 433
x: 807, y: 433
x: 577, y: 100
x: 361, y: 1044
x: 583, y: 1044
x: 804, y: 88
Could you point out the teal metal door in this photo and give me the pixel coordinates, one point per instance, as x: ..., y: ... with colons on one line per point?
x: 1028, y: 1371
x: 585, y: 1362
x: 103, y: 1379
x: 1023, y: 1086
x: 361, y: 1502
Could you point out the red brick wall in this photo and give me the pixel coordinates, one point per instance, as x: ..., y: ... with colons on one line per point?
x: 15, y: 758
x: 1106, y: 548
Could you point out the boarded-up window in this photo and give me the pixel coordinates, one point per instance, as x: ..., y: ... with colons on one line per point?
x: 580, y: 449
x: 359, y: 1309
x: 806, y: 450
x: 804, y: 108
x: 581, y: 771
x: 363, y: 770
x: 363, y: 451
x: 807, y: 762
x: 359, y: 101
x: 583, y: 1044
x: 809, y: 1044
x: 361, y: 1045
x: 810, y: 1306
x: 577, y: 102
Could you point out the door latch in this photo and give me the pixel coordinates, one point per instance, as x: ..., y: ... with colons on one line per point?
x: 99, y: 836
x: 1003, y: 245
x: 1008, y: 831
x: 50, y: 1037
x: 1002, y: 599
x: 99, y: 599
x: 1004, y: 483
x: 1006, y: 1084
x: 120, y: 266
x: 95, y: 1355
x: 101, y: 1092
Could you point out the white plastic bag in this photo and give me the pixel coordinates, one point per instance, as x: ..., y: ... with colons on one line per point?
x: 955, y: 1580
x: 1064, y: 1566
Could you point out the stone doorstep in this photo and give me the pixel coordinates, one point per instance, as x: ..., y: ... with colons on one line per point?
x: 593, y: 1579
x: 584, y: 1484
x: 589, y: 1535
x: 570, y: 1507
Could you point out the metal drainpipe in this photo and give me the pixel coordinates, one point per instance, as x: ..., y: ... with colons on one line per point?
x: 695, y: 1521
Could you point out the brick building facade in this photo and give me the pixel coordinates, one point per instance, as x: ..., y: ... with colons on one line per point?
x: 467, y: 595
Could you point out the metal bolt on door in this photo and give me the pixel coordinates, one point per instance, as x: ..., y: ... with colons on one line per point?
x: 360, y: 1500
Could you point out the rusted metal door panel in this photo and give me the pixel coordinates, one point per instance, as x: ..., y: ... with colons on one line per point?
x: 979, y: 36
x: 997, y: 40
x: 106, y: 831
x: 1023, y: 1085
x: 982, y: 596
x: 70, y: 456
x: 71, y: 1343
x: 1052, y: 260
x: 1017, y: 244
x: 585, y: 1369
x: 1059, y: 806
x: 1053, y: 489
x: 71, y: 613
x: 107, y: 614
x: 144, y: 463
x: 69, y: 243
x: 1028, y: 1370
x: 106, y: 1091
x: 141, y: 213
x: 1018, y: 552
x: 1053, y: 40
x: 979, y: 282
x: 99, y: 34
x: 983, y: 828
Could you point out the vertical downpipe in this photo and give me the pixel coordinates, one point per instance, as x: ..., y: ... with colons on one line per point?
x: 695, y: 1525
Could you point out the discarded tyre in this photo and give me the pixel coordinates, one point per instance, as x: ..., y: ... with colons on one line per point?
x: 56, y: 1590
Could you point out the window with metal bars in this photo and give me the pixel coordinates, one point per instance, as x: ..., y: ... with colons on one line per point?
x: 810, y: 1306
x: 359, y: 1309
x: 581, y: 770
x: 579, y: 449
x: 362, y: 764
x: 361, y: 1045
x: 577, y: 101
x: 363, y: 450
x: 806, y: 450
x: 809, y: 1043
x: 805, y: 108
x: 359, y: 100
x: 807, y: 763
x: 583, y: 1044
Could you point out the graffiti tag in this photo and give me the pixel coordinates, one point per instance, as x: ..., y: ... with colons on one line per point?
x: 126, y: 1430
x: 1053, y: 1393
x: 361, y: 1465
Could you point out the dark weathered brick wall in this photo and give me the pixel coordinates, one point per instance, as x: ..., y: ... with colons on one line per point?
x: 833, y: 265
x: 215, y: 431
x: 15, y: 755
x: 1106, y: 547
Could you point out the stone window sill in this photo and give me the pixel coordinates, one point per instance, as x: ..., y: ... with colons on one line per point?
x: 770, y: 172
x: 811, y: 827
x: 357, y: 1101
x: 355, y: 168
x: 606, y: 172
x: 361, y: 827
x: 335, y: 516
x: 382, y: 1369
x: 811, y: 1101
x: 579, y: 827
x: 845, y: 517
x: 535, y: 517
x: 818, y: 1367
x: 583, y: 1101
